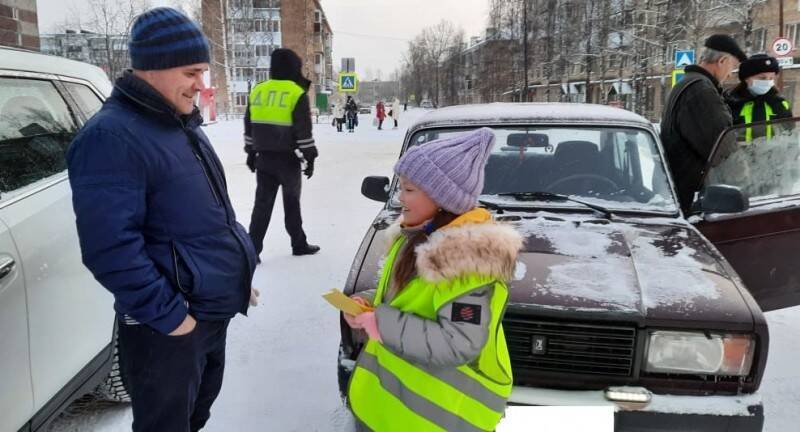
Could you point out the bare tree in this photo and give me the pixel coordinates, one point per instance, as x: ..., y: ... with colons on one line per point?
x: 437, y: 41
x: 111, y: 21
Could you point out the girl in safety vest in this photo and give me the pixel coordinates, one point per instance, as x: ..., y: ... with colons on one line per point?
x: 436, y: 358
x: 756, y: 99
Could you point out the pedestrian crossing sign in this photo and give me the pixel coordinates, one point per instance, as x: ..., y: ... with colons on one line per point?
x: 348, y: 83
x: 684, y: 58
x: 677, y: 76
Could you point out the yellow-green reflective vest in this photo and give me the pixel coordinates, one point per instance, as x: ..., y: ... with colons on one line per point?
x: 388, y: 393
x: 273, y: 102
x: 747, y: 114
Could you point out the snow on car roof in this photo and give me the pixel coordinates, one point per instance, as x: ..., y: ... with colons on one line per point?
x: 28, y: 61
x: 529, y: 112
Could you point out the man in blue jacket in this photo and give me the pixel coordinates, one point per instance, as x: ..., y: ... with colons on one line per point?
x: 157, y: 228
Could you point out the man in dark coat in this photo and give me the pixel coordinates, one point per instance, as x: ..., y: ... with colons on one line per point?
x: 277, y: 128
x: 696, y: 114
x: 157, y: 228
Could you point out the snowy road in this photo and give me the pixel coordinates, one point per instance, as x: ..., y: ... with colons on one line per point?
x: 281, y: 366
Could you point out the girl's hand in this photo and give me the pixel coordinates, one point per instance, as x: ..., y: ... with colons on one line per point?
x: 351, y: 321
x: 361, y: 300
x: 369, y: 323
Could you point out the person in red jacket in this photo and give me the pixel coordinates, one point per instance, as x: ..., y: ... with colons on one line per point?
x: 380, y: 112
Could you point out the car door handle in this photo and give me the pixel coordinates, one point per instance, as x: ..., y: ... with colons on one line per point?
x: 6, y: 266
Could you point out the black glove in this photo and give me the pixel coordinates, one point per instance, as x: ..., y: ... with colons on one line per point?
x: 251, y: 161
x: 309, y: 154
x: 309, y: 171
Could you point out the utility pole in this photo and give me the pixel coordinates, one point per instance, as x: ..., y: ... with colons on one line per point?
x: 780, y: 24
x: 525, y: 50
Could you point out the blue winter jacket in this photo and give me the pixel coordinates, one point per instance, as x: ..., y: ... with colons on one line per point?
x: 155, y: 222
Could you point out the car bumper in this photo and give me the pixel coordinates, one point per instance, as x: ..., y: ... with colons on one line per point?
x: 742, y: 413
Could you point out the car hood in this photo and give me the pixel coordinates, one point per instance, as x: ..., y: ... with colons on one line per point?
x: 661, y: 271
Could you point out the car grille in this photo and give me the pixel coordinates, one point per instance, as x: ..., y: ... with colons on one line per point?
x: 572, y: 348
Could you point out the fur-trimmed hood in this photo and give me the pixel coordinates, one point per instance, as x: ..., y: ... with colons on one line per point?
x: 488, y: 249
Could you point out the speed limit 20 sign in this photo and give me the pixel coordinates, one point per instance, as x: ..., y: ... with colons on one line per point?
x: 782, y: 47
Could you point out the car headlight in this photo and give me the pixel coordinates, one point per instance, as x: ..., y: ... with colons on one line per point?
x: 699, y: 353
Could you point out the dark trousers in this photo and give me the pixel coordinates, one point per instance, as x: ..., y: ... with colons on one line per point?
x: 380, y: 123
x: 172, y: 380
x: 274, y: 172
x: 351, y: 123
x: 339, y: 122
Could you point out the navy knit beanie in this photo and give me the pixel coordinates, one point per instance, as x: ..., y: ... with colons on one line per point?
x: 164, y: 38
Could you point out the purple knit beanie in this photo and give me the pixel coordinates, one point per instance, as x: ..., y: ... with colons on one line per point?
x: 450, y: 170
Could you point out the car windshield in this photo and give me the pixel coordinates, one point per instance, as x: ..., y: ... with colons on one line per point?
x: 614, y: 167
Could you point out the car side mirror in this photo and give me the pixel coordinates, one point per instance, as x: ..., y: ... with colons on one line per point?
x: 376, y: 188
x: 722, y: 199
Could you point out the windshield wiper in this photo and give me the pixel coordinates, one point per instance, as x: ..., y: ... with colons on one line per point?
x: 549, y: 196
x: 492, y: 206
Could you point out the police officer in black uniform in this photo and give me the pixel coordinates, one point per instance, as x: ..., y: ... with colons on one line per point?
x: 756, y: 99
x: 278, y: 140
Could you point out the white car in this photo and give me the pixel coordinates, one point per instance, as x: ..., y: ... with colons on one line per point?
x: 57, y: 328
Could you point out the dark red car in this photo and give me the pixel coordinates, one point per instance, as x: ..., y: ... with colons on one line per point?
x: 618, y: 298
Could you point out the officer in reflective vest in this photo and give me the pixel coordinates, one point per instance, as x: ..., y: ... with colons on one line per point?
x: 437, y: 359
x: 277, y: 135
x: 756, y: 99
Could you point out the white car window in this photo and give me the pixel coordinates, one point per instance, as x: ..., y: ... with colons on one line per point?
x: 86, y: 99
x: 36, y: 127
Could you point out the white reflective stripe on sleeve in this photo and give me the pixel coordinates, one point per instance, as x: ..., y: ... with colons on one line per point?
x: 305, y: 141
x: 306, y: 146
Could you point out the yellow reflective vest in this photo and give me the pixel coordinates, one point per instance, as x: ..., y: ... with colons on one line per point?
x: 747, y: 114
x: 388, y: 393
x: 273, y: 102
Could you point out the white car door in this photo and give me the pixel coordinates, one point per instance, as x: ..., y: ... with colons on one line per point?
x: 70, y: 316
x: 16, y: 396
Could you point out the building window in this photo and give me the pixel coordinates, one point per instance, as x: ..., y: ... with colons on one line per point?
x: 792, y: 32
x: 261, y: 4
x: 263, y: 50
x: 760, y: 40
x: 262, y: 74
x: 317, y: 16
x: 317, y: 59
x: 259, y: 26
x: 241, y: 51
x: 240, y: 99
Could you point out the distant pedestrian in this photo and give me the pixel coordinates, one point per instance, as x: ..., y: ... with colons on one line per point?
x: 338, y: 116
x: 380, y: 114
x: 394, y: 112
x: 351, y: 112
x: 696, y: 114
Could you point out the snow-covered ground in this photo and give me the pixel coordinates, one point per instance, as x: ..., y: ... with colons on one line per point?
x: 281, y: 365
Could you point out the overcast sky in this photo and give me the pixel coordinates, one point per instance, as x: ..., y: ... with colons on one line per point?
x: 375, y: 32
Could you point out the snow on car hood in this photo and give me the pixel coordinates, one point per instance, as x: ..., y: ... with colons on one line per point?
x: 663, y: 271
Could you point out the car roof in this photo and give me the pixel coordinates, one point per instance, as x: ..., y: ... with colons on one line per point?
x: 19, y: 60
x: 516, y: 113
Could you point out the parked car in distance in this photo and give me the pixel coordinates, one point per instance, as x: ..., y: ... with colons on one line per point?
x: 618, y: 299
x: 56, y: 322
